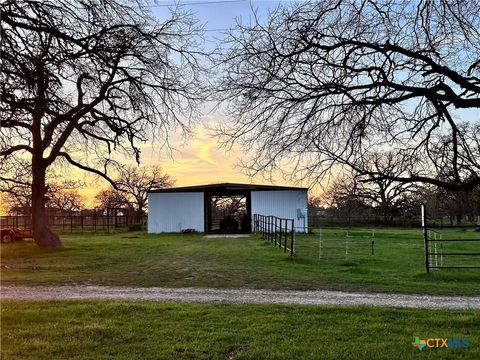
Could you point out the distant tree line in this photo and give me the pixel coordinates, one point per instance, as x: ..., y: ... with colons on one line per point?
x: 63, y: 198
x: 348, y: 197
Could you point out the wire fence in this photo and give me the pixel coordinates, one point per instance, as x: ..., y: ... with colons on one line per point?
x: 318, y: 221
x: 341, y: 244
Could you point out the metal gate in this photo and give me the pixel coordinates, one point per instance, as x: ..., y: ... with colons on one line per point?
x: 436, y: 249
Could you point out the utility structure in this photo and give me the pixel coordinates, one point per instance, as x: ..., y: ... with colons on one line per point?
x: 224, y: 208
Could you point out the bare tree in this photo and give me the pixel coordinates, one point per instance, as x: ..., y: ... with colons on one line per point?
x: 228, y: 205
x: 69, y: 201
x: 343, y: 197
x: 112, y: 199
x: 332, y: 83
x: 382, y: 193
x: 356, y: 192
x: 83, y: 79
x: 456, y: 205
x: 136, y: 182
x: 16, y: 184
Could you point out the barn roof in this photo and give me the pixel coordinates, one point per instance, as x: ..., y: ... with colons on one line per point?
x: 227, y: 187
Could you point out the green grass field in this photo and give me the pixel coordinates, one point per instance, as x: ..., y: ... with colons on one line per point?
x: 177, y: 260
x: 149, y: 330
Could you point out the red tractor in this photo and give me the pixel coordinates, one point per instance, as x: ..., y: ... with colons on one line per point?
x: 10, y: 235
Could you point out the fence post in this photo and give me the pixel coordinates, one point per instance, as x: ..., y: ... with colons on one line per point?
x: 425, y: 238
x: 293, y: 237
x: 286, y: 232
x: 275, y: 228
x: 270, y: 228
x: 263, y: 227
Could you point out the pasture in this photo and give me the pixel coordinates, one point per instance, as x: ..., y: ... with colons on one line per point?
x: 190, y: 260
x: 151, y: 330
x: 164, y: 330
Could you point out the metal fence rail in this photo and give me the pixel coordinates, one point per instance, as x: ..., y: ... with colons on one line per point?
x: 279, y: 231
x: 435, y: 244
x: 95, y: 222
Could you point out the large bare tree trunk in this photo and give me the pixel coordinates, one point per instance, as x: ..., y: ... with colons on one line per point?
x: 41, y: 233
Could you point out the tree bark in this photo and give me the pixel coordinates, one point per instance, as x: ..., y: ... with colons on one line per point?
x: 42, y: 235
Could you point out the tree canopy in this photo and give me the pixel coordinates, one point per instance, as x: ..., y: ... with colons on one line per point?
x: 82, y: 80
x: 335, y: 83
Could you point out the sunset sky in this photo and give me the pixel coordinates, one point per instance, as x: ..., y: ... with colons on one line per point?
x: 200, y: 159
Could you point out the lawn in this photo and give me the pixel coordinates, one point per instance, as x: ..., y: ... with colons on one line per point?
x: 149, y: 330
x: 179, y: 260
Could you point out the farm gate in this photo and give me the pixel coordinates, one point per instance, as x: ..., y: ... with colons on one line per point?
x: 450, y: 252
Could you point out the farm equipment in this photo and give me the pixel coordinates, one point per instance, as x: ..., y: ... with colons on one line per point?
x: 10, y: 235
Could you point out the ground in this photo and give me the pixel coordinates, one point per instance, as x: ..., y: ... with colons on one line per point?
x: 186, y: 260
x: 239, y: 296
x: 152, y: 330
x: 163, y: 330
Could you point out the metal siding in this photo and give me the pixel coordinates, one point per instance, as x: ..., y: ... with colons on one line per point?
x: 173, y: 212
x: 282, y: 204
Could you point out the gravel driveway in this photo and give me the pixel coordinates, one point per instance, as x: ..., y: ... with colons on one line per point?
x: 238, y: 296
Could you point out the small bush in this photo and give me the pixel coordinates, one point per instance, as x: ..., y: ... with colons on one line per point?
x: 189, y: 231
x: 134, y: 227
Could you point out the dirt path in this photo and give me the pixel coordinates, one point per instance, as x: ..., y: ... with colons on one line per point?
x: 238, y: 296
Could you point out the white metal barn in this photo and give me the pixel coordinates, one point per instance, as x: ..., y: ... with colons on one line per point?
x: 224, y: 208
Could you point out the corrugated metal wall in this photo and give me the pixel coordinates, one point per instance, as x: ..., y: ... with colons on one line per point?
x: 283, y: 204
x: 173, y: 212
